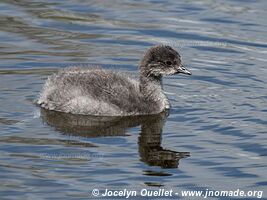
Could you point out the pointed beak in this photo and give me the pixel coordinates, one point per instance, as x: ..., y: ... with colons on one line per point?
x: 183, y: 70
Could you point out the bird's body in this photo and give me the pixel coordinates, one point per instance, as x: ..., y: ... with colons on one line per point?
x: 95, y: 91
x: 106, y: 93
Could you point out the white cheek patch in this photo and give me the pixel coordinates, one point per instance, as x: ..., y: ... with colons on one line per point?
x: 169, y: 71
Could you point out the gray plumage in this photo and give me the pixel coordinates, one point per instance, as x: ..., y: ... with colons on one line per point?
x: 95, y: 91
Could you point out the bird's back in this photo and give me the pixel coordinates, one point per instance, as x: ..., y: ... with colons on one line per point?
x: 91, y: 92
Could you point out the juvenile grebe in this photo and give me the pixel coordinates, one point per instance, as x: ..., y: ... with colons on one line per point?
x: 95, y: 91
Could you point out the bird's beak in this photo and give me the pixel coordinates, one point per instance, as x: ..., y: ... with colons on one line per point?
x: 183, y: 70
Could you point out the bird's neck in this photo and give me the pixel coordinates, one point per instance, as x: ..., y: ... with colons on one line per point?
x: 150, y: 84
x: 152, y: 91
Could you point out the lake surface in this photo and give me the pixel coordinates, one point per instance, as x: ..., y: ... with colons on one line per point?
x: 215, y: 137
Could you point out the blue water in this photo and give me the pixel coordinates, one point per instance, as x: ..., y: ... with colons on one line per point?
x: 214, y: 137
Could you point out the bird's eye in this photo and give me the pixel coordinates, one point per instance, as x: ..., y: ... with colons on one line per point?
x: 168, y: 62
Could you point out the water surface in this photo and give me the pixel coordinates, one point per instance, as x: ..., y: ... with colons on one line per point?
x: 214, y: 137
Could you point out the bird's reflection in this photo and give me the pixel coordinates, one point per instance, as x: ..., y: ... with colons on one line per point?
x: 150, y: 149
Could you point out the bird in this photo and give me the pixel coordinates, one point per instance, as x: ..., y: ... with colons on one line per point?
x: 101, y: 92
